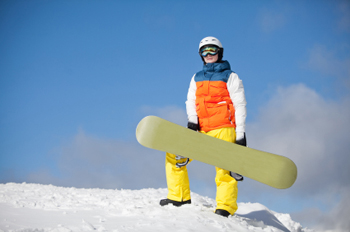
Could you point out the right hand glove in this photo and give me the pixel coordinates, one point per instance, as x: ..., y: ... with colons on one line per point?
x: 193, y: 126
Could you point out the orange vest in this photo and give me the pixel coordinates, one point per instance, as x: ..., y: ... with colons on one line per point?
x: 213, y: 103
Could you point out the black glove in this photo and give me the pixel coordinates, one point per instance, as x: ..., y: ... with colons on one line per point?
x: 193, y: 126
x: 242, y: 141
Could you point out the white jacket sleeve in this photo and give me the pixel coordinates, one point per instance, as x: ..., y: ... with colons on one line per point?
x: 236, y: 90
x: 191, y: 102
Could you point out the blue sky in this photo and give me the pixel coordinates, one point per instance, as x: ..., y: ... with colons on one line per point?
x: 77, y: 76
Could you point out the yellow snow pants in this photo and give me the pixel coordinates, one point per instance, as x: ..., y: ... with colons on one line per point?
x: 226, y: 186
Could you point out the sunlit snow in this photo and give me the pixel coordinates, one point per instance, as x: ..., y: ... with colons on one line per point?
x: 34, y: 207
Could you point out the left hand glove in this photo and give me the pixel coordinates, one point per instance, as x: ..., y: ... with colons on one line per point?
x: 241, y: 139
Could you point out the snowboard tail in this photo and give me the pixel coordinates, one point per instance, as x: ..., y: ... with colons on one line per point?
x: 270, y: 169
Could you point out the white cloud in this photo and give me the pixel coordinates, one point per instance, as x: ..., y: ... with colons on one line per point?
x: 338, y: 218
x: 298, y: 123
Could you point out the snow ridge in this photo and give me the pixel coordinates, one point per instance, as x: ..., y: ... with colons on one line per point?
x: 35, y: 207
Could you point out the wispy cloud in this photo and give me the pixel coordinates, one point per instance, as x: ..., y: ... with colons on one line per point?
x: 270, y: 21
x: 344, y: 13
x: 89, y: 161
x: 330, y: 62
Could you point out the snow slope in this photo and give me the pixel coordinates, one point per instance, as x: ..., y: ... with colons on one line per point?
x: 34, y: 207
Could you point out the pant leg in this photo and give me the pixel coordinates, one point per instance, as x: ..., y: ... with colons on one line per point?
x: 226, y: 191
x: 226, y: 186
x: 177, y: 179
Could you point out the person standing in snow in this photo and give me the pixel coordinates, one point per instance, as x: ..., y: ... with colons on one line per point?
x: 215, y: 106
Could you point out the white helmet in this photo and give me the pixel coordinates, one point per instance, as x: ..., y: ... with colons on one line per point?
x: 210, y: 40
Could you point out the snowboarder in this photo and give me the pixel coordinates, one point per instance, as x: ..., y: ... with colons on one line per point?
x: 215, y: 106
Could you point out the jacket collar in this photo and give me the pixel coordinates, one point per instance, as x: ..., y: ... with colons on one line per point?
x: 217, y: 67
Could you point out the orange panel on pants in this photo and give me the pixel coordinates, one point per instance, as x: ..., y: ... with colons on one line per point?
x: 178, y: 182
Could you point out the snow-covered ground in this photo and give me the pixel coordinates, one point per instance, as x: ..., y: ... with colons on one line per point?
x: 34, y: 207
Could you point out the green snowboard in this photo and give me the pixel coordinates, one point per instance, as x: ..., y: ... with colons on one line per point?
x: 270, y: 169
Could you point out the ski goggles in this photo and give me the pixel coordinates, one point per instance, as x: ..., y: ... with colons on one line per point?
x: 212, y: 50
